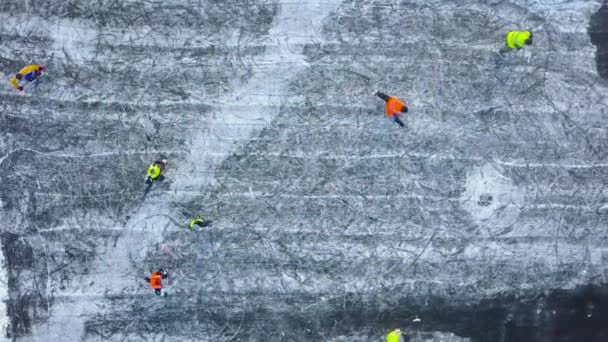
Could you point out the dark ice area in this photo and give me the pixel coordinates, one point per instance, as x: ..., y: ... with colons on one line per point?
x: 598, y: 31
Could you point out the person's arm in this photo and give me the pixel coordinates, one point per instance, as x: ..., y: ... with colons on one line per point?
x: 383, y: 96
x: 26, y: 70
x: 15, y: 83
x: 32, y: 67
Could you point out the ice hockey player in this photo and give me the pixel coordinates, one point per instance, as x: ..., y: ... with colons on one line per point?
x: 394, y: 108
x: 516, y: 40
x: 155, y: 171
x: 396, y: 336
x: 201, y: 223
x: 156, y: 281
x: 26, y: 75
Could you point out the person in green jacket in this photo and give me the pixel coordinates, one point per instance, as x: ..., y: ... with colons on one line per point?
x: 201, y: 223
x: 395, y: 336
x: 516, y: 40
x: 155, y: 170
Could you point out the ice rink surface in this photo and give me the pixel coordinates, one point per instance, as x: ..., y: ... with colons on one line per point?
x: 486, y: 215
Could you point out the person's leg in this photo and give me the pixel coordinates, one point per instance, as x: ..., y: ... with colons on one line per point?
x: 382, y: 96
x: 504, y: 50
x: 157, y: 292
x: 398, y: 121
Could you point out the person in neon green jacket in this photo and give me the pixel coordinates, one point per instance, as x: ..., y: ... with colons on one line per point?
x: 395, y: 336
x: 517, y: 40
x: 155, y: 170
x: 200, y: 222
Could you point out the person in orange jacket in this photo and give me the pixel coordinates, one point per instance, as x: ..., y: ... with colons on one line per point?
x: 394, y: 108
x: 156, y: 281
x: 26, y: 75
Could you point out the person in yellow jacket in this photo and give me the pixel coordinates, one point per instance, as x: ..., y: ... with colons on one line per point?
x: 516, y: 40
x: 26, y: 75
x: 395, y: 336
x: 200, y: 222
x: 155, y: 170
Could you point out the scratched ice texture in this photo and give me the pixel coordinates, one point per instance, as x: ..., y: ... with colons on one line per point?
x: 486, y: 215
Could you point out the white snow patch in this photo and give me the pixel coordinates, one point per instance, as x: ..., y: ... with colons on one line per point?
x: 74, y: 37
x: 485, y: 181
x: 3, y: 298
x: 297, y: 23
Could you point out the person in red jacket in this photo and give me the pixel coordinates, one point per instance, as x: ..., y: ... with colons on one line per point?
x: 156, y: 281
x: 394, y: 108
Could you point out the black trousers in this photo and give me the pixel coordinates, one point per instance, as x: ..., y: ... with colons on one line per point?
x: 398, y: 121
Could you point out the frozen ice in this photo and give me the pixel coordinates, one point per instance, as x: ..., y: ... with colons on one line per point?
x: 330, y: 222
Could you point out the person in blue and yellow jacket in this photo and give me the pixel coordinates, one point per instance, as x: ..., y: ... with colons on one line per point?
x: 517, y: 40
x: 26, y: 75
